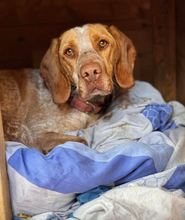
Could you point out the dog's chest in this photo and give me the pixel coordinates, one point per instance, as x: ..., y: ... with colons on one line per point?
x: 49, y: 117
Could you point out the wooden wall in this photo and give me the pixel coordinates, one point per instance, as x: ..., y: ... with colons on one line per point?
x: 27, y: 28
x: 180, y: 49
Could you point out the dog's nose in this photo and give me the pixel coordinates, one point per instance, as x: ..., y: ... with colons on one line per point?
x: 91, y: 72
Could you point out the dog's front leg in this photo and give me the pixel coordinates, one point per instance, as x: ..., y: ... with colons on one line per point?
x: 49, y: 140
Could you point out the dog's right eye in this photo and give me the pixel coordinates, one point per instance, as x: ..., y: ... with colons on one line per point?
x: 69, y: 52
x: 103, y: 44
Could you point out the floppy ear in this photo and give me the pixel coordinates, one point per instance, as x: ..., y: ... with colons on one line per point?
x: 125, y: 60
x: 54, y: 76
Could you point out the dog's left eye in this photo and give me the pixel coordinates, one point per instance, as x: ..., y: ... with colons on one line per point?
x: 103, y: 43
x: 69, y: 52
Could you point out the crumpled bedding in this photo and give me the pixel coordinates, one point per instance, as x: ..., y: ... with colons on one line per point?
x: 136, y: 149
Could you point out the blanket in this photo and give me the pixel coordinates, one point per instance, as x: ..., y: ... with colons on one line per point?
x: 133, y: 167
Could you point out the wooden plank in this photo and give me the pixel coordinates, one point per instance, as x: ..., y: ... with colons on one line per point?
x: 17, y: 64
x: 139, y: 31
x: 22, y: 12
x: 180, y: 42
x: 22, y: 43
x: 164, y: 47
x: 144, y: 66
x: 5, y: 205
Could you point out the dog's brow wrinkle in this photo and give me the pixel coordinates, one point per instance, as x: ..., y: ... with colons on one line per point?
x: 86, y: 49
x: 83, y: 39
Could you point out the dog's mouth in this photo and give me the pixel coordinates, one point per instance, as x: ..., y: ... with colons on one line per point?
x: 99, y: 91
x: 96, y: 91
x: 93, y: 101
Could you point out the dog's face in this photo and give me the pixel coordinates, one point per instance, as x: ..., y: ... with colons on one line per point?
x: 88, y: 58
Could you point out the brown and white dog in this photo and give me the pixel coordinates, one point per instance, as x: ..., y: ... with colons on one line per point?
x: 79, y: 69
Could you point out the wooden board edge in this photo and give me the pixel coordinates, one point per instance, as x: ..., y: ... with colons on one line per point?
x: 5, y: 203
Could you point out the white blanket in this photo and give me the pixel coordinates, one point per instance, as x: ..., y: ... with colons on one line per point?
x: 137, y: 147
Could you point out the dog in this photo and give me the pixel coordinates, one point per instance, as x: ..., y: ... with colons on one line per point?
x: 78, y: 74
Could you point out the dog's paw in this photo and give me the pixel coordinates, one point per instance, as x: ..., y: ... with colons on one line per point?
x: 82, y: 140
x: 52, y: 144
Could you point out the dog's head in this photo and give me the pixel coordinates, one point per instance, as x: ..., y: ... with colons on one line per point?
x: 88, y: 58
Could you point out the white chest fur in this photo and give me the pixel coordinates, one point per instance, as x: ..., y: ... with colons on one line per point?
x: 49, y: 116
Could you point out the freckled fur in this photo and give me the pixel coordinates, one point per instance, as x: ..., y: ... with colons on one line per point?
x: 38, y: 116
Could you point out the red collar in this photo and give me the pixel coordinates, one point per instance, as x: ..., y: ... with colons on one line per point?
x: 83, y: 106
